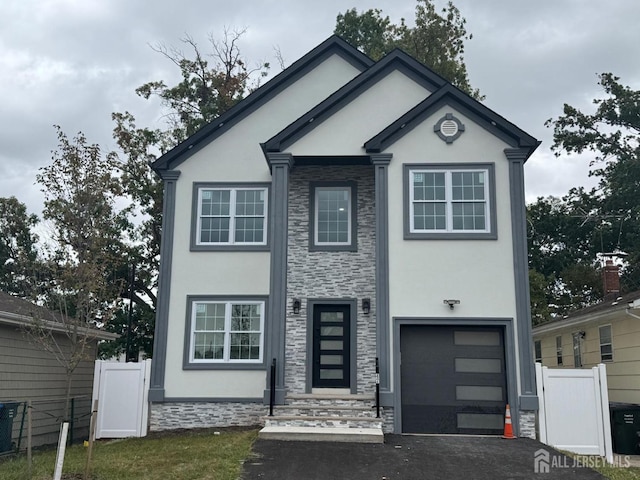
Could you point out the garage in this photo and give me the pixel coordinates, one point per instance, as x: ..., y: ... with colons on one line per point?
x: 453, y: 379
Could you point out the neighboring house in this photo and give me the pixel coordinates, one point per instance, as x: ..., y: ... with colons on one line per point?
x: 608, y: 333
x: 27, y: 372
x: 344, y: 212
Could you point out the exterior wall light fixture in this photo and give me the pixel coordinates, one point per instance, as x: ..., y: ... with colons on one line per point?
x: 452, y: 302
x: 296, y: 306
x: 366, y: 306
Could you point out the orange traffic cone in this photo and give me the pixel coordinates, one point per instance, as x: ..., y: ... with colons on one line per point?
x: 508, y: 428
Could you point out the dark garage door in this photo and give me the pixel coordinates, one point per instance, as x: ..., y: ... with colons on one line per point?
x: 452, y: 379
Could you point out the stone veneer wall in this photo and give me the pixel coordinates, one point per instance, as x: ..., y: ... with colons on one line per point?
x: 329, y: 275
x: 527, y: 422
x: 169, y: 416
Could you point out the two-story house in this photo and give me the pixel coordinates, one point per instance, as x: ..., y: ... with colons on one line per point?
x: 347, y: 213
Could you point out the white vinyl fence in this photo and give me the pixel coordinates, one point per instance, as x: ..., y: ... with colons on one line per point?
x: 574, y: 410
x: 122, y: 391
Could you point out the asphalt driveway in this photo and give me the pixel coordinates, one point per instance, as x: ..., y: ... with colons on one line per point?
x: 411, y: 458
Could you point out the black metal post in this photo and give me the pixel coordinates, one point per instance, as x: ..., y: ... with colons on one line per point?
x: 71, y: 420
x: 377, y: 388
x: 272, y: 388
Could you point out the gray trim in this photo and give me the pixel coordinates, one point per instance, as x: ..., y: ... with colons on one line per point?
x: 353, y: 246
x: 509, y: 353
x: 187, y: 364
x: 353, y: 343
x: 280, y: 165
x: 438, y: 126
x: 395, y: 60
x: 493, y: 217
x: 193, y: 245
x: 448, y: 95
x: 380, y: 163
x: 516, y: 158
x: 212, y: 400
x: 159, y: 360
x: 279, y: 83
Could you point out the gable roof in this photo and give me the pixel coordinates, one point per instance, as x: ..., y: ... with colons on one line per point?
x: 334, y: 45
x: 395, y: 60
x: 18, y: 312
x: 594, y: 312
x: 454, y: 97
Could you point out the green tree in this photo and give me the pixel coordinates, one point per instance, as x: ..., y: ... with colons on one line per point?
x: 18, y: 253
x: 612, y: 133
x: 437, y: 40
x: 210, y: 83
x: 569, y: 236
x: 87, y: 234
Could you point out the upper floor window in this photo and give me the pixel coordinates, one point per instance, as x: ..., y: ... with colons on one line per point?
x: 226, y: 331
x: 559, y: 350
x: 333, y: 222
x: 451, y: 201
x: 229, y: 216
x: 577, y: 349
x: 606, y: 345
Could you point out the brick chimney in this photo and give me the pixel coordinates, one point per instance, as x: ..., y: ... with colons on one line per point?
x: 611, y: 281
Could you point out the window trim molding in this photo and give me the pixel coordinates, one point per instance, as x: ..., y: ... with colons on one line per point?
x: 351, y: 246
x: 189, y: 364
x: 492, y: 234
x: 194, y: 246
x: 600, y: 344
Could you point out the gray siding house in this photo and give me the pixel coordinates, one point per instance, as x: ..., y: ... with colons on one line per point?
x: 27, y: 372
x: 347, y: 213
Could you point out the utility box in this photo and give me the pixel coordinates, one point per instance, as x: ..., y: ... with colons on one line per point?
x: 8, y: 411
x: 625, y: 428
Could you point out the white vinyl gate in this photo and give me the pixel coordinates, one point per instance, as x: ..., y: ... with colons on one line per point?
x: 574, y: 410
x: 122, y: 393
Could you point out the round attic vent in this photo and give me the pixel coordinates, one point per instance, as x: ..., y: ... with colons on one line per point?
x: 448, y: 128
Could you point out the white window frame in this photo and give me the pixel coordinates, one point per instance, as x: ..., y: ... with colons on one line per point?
x: 227, y: 332
x: 449, y: 200
x: 232, y: 215
x: 610, y: 343
x: 577, y: 349
x: 340, y: 188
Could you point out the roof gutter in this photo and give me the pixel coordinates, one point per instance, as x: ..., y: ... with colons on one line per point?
x: 15, y: 319
x: 633, y: 305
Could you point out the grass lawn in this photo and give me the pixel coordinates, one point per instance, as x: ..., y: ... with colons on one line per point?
x: 183, y: 455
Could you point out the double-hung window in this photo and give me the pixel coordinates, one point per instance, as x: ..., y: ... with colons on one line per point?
x: 449, y: 201
x: 226, y: 332
x: 230, y: 216
x: 606, y: 346
x: 333, y: 222
x: 537, y: 347
x: 559, y: 350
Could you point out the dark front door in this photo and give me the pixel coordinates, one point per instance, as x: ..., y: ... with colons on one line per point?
x: 331, y: 353
x: 452, y: 379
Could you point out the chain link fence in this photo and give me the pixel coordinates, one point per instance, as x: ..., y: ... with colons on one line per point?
x: 46, y: 416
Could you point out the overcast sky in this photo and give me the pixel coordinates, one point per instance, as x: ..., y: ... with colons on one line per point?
x: 73, y: 62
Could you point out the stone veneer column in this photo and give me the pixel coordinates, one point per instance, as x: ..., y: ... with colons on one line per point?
x: 280, y: 164
x: 381, y: 162
x: 158, y: 362
x: 528, y: 400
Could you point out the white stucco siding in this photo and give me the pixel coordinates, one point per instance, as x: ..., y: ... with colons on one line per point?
x: 346, y: 131
x: 423, y: 273
x: 214, y: 383
x: 236, y: 157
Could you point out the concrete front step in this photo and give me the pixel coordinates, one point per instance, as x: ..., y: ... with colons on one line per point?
x: 322, y: 421
x: 323, y: 434
x: 326, y: 410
